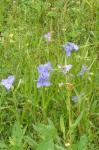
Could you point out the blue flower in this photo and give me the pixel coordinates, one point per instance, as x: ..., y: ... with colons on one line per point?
x: 69, y: 47
x: 44, y: 74
x: 44, y: 68
x: 84, y: 69
x: 7, y: 83
x: 43, y: 80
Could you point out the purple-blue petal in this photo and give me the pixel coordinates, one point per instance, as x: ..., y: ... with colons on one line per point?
x: 68, y: 52
x: 43, y: 83
x: 7, y: 83
x: 43, y: 79
x: 69, y: 47
x: 44, y: 68
x: 11, y: 79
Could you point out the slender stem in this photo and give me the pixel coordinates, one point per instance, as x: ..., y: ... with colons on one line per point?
x: 43, y: 103
x: 15, y: 105
x: 69, y: 110
x: 69, y: 115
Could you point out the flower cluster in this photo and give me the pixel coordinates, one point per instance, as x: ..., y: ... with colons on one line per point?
x: 44, y: 69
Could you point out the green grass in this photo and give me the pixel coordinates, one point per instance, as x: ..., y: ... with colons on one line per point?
x: 46, y: 118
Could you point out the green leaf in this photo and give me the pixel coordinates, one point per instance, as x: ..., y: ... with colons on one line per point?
x: 30, y: 141
x: 46, y: 145
x: 83, y: 143
x: 17, y: 137
x: 75, y: 124
x: 59, y: 147
x: 3, y: 146
x: 46, y: 131
x: 17, y: 133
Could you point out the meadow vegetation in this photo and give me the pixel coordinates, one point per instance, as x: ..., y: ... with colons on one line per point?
x: 64, y: 115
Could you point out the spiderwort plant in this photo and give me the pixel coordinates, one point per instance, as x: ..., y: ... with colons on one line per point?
x: 69, y: 47
x: 44, y: 74
x: 43, y: 80
x: 44, y: 68
x: 7, y: 83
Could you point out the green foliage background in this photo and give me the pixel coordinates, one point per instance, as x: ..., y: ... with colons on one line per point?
x: 46, y: 118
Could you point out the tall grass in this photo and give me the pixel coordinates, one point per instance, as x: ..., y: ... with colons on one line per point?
x: 46, y: 118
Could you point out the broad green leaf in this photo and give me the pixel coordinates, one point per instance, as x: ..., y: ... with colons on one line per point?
x: 46, y: 131
x: 30, y: 141
x: 59, y: 147
x: 83, y: 143
x: 17, y: 137
x: 46, y: 145
x: 3, y: 145
x: 17, y: 133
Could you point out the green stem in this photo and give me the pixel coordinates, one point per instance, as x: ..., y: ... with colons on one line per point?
x: 43, y: 103
x: 15, y: 105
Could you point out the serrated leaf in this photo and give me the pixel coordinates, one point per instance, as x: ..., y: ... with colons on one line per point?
x: 46, y: 131
x: 83, y: 143
x: 17, y: 137
x: 30, y: 141
x: 46, y: 145
x: 3, y: 145
x: 59, y: 147
x: 17, y: 133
